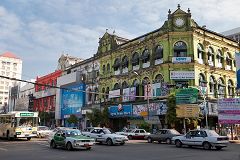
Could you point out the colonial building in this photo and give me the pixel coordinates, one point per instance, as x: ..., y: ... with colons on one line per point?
x: 180, y: 53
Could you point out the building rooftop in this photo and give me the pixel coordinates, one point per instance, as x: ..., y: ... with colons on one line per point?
x: 9, y: 55
x: 231, y: 32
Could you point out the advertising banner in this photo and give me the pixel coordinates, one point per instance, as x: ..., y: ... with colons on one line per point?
x: 120, y: 111
x: 186, y: 96
x: 147, y: 91
x: 129, y: 94
x: 187, y: 111
x: 72, y: 100
x: 114, y: 93
x: 182, y: 75
x: 160, y: 89
x: 153, y: 109
x: 181, y: 59
x: 132, y: 94
x: 229, y: 111
x: 237, y: 59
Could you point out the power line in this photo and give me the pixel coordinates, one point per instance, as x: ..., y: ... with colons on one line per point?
x: 77, y: 90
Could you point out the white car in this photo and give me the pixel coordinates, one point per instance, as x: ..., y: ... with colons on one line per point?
x: 203, y: 137
x: 104, y: 135
x: 137, y: 134
x: 124, y: 131
x: 43, y: 131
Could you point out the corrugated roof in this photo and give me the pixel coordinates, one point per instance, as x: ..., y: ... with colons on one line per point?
x: 9, y: 55
x: 231, y: 32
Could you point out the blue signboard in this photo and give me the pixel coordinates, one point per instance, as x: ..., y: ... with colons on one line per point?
x: 237, y: 59
x: 72, y: 100
x: 120, y: 111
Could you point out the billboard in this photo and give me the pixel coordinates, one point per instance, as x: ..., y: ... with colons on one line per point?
x: 182, y: 75
x: 120, y: 111
x: 129, y: 94
x: 153, y: 109
x: 187, y: 111
x: 72, y: 100
x: 229, y: 111
x: 114, y: 93
x: 186, y: 96
x: 181, y: 59
x: 237, y: 58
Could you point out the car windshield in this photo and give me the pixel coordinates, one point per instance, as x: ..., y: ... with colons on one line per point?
x: 128, y: 130
x: 174, y: 131
x: 70, y: 133
x: 107, y: 131
x: 212, y: 133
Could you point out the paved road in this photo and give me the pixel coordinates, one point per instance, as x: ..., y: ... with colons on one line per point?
x: 134, y: 150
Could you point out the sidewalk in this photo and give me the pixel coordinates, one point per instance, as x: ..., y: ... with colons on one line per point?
x: 235, y: 141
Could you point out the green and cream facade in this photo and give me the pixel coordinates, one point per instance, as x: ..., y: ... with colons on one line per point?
x: 179, y: 53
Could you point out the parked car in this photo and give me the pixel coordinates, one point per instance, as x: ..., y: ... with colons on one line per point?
x: 203, y: 137
x: 137, y: 134
x: 162, y: 135
x: 105, y: 135
x: 71, y: 139
x: 43, y: 131
x: 124, y: 131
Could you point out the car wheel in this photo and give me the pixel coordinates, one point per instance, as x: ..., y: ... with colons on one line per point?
x: 130, y: 137
x: 178, y: 143
x: 109, y: 142
x: 168, y: 141
x: 53, y: 145
x: 149, y: 140
x: 39, y: 135
x: 28, y: 138
x: 69, y: 146
x: 218, y: 147
x: 88, y: 148
x: 122, y: 143
x: 206, y: 146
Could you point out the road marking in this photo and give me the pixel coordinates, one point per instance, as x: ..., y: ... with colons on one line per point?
x: 3, y: 149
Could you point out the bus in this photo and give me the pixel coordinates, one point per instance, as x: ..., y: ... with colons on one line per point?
x: 18, y: 124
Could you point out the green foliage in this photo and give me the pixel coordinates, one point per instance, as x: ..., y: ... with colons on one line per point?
x: 145, y: 126
x: 171, y: 112
x: 98, y: 118
x: 72, y: 119
x: 44, y: 116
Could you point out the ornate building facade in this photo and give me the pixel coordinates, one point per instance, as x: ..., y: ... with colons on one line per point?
x: 180, y: 53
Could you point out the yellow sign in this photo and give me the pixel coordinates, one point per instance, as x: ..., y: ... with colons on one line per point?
x: 187, y: 111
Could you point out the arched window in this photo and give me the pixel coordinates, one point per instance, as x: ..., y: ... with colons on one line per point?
x: 108, y: 67
x: 125, y: 62
x: 124, y: 85
x: 212, y: 86
x: 158, y: 52
x: 145, y: 56
x: 103, y: 95
x: 117, y: 64
x: 230, y: 88
x: 136, y: 84
x: 107, y: 93
x: 135, y: 59
x: 116, y: 86
x: 221, y: 88
x: 210, y: 56
x: 180, y: 49
x: 104, y: 68
x: 202, y: 80
x: 219, y: 58
x: 159, y: 78
x: 200, y: 52
x: 229, y: 61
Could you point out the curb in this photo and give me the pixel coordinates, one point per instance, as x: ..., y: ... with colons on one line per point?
x: 236, y: 141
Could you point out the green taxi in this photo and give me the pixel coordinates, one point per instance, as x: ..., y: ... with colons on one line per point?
x: 70, y: 139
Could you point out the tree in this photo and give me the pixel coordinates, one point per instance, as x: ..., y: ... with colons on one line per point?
x: 171, y: 112
x: 98, y: 118
x: 44, y: 117
x: 72, y: 119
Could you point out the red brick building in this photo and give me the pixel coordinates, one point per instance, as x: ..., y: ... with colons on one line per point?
x: 45, y: 96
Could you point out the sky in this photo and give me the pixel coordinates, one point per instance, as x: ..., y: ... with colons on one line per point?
x: 39, y: 31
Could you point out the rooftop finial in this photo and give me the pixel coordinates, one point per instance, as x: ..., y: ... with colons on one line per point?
x: 188, y: 10
x: 169, y: 11
x: 113, y: 31
x: 106, y: 30
x: 178, y: 6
